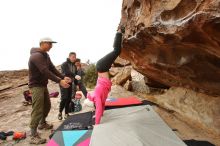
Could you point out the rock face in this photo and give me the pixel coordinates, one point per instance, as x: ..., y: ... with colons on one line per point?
x: 174, y: 42
x: 203, y: 110
x: 10, y: 80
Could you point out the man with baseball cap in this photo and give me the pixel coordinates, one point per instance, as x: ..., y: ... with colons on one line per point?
x: 40, y: 70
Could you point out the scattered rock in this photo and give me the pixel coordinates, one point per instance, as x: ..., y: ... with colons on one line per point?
x: 122, y: 76
x: 119, y: 91
x: 115, y: 70
x: 128, y: 85
x: 119, y: 62
x: 138, y: 82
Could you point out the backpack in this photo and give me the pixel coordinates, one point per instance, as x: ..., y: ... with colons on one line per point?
x: 75, y: 106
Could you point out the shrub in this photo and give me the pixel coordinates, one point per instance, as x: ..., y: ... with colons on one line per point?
x: 91, y: 76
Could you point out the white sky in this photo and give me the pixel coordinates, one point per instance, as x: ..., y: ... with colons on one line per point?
x: 84, y: 26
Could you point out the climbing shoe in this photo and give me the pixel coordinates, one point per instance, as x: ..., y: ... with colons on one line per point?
x: 36, y: 139
x: 45, y: 126
x: 60, y: 116
x: 66, y: 116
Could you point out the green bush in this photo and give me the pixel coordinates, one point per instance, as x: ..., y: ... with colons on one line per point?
x: 91, y: 76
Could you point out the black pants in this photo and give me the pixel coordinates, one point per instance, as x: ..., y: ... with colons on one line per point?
x: 83, y: 89
x: 105, y: 63
x: 66, y: 97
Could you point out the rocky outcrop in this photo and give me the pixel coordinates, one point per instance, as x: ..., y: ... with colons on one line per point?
x: 174, y: 42
x: 13, y: 77
x: 10, y: 80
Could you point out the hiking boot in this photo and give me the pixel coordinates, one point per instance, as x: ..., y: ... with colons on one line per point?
x: 37, y: 140
x: 66, y: 116
x: 60, y: 116
x: 45, y: 126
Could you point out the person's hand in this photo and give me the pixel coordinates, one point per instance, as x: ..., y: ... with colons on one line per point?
x: 67, y: 79
x: 64, y: 84
x: 77, y: 88
x: 77, y: 77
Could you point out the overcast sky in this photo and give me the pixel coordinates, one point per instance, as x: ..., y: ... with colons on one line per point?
x: 84, y: 26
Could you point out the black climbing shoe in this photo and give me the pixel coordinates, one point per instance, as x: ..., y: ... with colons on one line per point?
x: 60, y: 116
x: 66, y: 116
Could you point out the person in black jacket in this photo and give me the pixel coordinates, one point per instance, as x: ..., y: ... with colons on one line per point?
x: 81, y: 73
x: 68, y: 69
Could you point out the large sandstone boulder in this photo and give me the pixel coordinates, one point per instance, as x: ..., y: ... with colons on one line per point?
x: 201, y: 109
x: 174, y: 42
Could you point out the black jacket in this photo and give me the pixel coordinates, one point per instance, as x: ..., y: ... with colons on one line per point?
x: 68, y: 69
x: 81, y: 73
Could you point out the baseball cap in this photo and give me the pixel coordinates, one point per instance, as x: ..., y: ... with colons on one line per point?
x: 49, y: 40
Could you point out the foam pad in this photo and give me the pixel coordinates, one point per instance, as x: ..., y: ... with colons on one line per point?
x: 85, y: 143
x: 78, y: 121
x: 124, y: 101
x: 70, y: 137
x: 52, y: 143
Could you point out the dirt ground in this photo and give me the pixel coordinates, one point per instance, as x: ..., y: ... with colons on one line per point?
x: 14, y: 116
